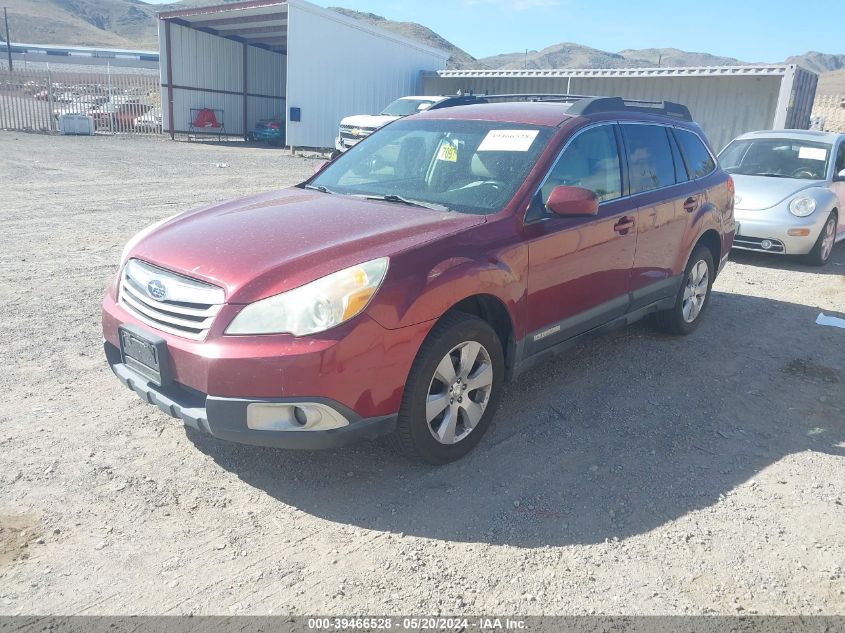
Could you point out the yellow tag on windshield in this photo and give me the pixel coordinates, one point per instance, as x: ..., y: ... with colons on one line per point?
x: 448, y: 153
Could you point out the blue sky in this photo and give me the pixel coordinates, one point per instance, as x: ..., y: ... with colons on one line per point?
x: 750, y: 30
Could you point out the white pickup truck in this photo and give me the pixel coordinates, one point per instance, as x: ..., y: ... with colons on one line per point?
x: 354, y: 129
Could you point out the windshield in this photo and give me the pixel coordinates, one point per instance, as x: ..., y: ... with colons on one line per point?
x: 466, y: 166
x: 777, y: 157
x: 407, y: 107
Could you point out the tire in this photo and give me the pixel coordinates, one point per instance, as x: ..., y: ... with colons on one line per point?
x: 823, y: 248
x: 466, y: 412
x: 685, y: 316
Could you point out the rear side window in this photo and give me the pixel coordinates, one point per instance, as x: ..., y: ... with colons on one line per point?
x: 650, y: 164
x: 699, y: 160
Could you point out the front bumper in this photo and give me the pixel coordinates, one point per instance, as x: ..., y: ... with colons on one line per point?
x: 773, y: 225
x: 227, y: 418
x: 358, y: 369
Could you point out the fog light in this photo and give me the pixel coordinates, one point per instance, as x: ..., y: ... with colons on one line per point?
x: 766, y: 244
x: 307, y: 416
x: 310, y: 416
x: 798, y: 232
x: 299, y: 416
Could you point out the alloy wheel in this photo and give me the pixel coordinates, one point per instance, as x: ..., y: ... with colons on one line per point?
x: 828, y: 239
x: 459, y: 392
x: 695, y: 292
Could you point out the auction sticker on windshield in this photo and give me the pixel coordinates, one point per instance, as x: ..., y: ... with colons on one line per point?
x: 812, y: 153
x: 508, y: 141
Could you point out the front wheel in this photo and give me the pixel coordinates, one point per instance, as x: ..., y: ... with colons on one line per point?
x: 693, y: 296
x: 452, y: 391
x: 823, y: 248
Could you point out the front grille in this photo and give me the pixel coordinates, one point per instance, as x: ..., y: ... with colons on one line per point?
x: 182, y: 306
x: 351, y: 133
x: 756, y: 244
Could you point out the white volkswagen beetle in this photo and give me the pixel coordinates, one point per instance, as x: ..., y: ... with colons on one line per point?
x: 790, y: 192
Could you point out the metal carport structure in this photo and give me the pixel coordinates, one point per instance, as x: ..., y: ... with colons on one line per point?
x: 308, y: 65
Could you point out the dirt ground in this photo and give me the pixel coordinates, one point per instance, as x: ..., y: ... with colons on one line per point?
x: 639, y: 474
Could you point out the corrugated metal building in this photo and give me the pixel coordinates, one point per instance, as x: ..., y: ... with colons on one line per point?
x: 726, y: 101
x: 265, y: 58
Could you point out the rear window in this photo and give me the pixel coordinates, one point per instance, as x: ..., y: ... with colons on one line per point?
x: 650, y: 164
x: 699, y: 161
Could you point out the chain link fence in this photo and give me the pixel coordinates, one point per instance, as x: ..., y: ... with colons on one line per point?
x: 117, y: 103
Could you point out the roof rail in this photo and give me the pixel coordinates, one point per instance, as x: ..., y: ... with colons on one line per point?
x: 583, y: 105
x: 596, y: 105
x: 556, y: 98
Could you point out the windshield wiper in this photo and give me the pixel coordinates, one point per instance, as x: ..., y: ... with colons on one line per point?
x: 399, y: 199
x: 319, y: 188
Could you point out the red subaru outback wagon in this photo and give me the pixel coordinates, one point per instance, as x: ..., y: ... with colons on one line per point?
x: 395, y: 291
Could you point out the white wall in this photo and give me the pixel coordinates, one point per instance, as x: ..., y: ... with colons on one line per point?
x: 204, y: 61
x: 337, y: 68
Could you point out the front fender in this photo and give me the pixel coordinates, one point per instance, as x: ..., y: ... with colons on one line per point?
x: 826, y: 200
x: 420, y: 293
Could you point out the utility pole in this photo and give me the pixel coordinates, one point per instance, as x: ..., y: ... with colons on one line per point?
x: 8, y: 39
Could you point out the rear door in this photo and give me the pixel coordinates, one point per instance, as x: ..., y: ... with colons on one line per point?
x: 579, y: 267
x: 666, y: 202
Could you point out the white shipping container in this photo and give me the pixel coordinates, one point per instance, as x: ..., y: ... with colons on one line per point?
x: 725, y: 100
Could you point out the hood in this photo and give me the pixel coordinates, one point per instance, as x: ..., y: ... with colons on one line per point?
x: 756, y: 193
x: 374, y: 121
x: 266, y: 244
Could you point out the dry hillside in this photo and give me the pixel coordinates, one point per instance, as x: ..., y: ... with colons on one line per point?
x: 116, y: 23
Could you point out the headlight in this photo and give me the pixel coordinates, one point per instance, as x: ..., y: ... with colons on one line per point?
x: 802, y: 207
x: 141, y: 235
x: 314, y: 307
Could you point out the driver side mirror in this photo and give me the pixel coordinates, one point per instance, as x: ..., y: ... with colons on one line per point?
x: 568, y: 201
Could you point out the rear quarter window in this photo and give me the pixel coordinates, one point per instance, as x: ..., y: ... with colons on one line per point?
x: 699, y: 161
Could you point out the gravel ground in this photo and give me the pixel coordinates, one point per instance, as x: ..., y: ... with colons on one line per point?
x: 639, y: 474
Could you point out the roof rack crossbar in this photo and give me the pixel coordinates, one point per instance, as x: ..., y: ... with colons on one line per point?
x: 590, y: 104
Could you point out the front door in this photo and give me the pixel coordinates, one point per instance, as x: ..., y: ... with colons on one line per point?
x: 579, y: 267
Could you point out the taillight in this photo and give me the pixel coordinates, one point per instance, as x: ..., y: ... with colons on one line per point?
x: 731, y: 186
x: 274, y: 126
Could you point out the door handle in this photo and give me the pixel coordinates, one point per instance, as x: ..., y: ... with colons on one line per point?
x: 624, y: 225
x: 691, y: 204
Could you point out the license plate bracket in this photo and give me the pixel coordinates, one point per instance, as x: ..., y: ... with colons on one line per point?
x: 145, y: 353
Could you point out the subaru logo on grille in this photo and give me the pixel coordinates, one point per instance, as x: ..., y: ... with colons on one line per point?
x: 157, y: 290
